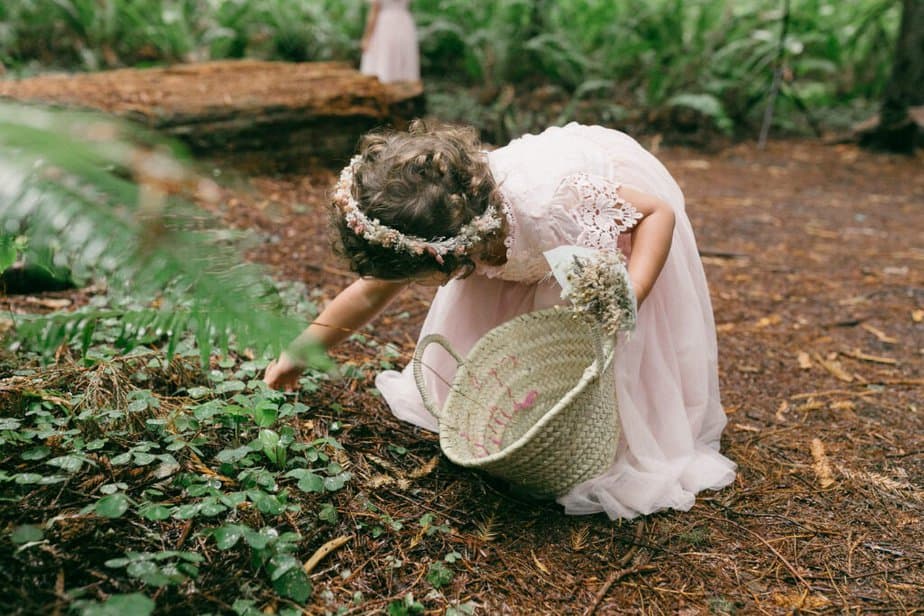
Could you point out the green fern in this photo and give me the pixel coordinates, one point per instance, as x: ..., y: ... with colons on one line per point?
x: 707, y: 105
x: 109, y: 200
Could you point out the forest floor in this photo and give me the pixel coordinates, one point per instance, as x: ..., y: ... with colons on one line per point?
x: 816, y: 268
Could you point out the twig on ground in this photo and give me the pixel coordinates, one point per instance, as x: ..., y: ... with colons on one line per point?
x: 614, y: 577
x: 184, y: 534
x: 876, y: 359
x: 323, y: 551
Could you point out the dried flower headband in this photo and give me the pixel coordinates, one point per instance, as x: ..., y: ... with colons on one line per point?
x: 375, y: 232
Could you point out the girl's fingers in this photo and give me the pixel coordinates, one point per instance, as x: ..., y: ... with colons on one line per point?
x: 277, y: 379
x: 274, y: 379
x: 284, y: 376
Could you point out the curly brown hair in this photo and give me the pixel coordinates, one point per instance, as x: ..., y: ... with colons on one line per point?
x: 428, y: 182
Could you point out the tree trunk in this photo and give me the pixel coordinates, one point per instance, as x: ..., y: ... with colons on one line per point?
x: 897, y: 130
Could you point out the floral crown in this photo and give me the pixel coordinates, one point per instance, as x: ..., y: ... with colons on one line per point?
x: 375, y: 232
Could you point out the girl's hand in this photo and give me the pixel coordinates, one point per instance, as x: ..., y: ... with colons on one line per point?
x: 283, y: 373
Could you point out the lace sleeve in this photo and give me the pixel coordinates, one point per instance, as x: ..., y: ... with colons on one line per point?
x: 599, y: 210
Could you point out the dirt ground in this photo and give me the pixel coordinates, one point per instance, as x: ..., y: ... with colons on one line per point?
x: 814, y: 255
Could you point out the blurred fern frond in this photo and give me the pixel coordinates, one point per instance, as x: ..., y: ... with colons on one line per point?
x: 114, y: 202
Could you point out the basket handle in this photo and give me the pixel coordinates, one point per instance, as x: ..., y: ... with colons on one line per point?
x: 417, y: 363
x: 604, y: 347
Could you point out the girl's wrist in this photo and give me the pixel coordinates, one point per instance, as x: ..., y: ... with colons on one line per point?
x: 290, y: 362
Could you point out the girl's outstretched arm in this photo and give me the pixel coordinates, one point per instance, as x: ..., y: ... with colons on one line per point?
x: 351, y: 309
x: 651, y: 239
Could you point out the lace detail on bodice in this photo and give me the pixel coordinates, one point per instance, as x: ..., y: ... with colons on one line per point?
x: 585, y: 210
x: 601, y: 211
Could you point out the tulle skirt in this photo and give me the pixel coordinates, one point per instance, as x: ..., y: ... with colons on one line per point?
x: 666, y: 375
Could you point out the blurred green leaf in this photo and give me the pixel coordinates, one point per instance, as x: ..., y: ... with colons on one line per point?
x: 26, y: 533
x: 294, y: 584
x: 112, y: 506
x: 134, y: 604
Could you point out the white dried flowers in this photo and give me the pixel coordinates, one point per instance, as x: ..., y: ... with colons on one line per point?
x: 598, y: 286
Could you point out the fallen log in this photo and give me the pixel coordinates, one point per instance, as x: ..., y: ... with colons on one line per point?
x: 255, y: 113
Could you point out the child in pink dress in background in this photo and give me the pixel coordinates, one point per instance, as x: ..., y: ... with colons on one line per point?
x: 429, y: 206
x: 389, y: 42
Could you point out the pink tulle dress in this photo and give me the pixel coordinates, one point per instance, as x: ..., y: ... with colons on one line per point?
x: 562, y: 187
x: 392, y: 54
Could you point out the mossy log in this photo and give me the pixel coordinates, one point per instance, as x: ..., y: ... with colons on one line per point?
x: 255, y: 113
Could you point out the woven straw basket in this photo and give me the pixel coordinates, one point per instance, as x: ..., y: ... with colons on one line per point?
x: 533, y: 403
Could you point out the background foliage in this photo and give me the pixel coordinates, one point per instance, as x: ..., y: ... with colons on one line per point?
x: 714, y: 57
